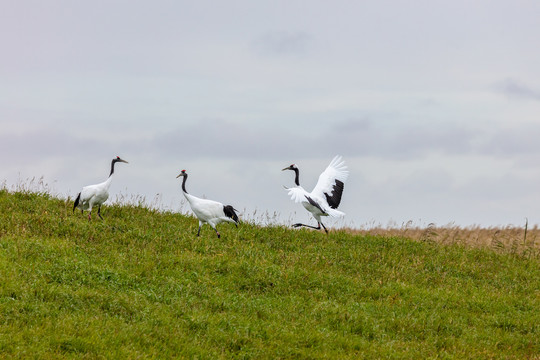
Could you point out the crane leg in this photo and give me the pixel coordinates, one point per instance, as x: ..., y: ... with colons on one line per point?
x: 309, y: 226
x: 99, y: 212
x: 312, y: 227
x: 199, y: 232
x: 324, y: 227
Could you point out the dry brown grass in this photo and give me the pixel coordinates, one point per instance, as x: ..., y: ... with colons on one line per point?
x: 510, y: 239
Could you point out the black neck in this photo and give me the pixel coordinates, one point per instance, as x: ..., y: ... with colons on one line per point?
x: 297, y: 177
x: 112, y: 166
x: 184, y: 184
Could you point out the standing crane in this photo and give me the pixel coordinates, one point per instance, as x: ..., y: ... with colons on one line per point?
x: 95, y: 195
x: 208, y: 211
x: 324, y: 199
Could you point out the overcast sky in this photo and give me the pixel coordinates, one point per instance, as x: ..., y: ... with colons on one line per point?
x: 434, y: 105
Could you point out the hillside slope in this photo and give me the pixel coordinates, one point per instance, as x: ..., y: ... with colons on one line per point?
x: 140, y: 284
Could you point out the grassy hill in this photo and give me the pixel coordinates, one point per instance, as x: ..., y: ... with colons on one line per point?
x: 140, y: 284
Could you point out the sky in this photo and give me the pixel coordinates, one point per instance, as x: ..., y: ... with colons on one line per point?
x: 434, y: 105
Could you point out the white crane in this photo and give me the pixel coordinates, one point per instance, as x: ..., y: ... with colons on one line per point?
x: 326, y: 196
x: 95, y: 195
x: 208, y: 211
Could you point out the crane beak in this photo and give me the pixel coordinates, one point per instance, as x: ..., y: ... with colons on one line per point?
x: 181, y: 174
x: 287, y: 168
x: 124, y: 161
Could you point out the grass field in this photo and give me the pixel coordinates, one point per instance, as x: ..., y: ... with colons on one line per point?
x: 140, y: 284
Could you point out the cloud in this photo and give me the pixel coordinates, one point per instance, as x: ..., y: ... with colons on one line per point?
x: 516, y: 90
x: 226, y: 139
x: 364, y: 137
x: 361, y: 136
x: 508, y: 142
x: 33, y: 146
x: 281, y: 43
x: 445, y: 138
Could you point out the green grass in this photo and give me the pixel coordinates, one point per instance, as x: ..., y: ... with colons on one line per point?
x: 140, y: 284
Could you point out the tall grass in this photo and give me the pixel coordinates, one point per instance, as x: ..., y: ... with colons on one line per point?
x: 140, y: 284
x: 524, y: 241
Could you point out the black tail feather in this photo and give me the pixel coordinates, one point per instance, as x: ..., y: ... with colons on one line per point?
x: 229, y: 211
x: 76, y: 202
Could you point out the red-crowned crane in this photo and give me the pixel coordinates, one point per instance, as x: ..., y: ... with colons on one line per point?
x: 326, y: 196
x: 208, y: 211
x: 95, y: 195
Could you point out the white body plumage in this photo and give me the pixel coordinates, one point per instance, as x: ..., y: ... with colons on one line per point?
x: 95, y: 195
x: 208, y: 211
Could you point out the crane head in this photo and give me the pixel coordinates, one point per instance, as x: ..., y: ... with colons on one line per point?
x: 120, y: 160
x: 291, y: 167
x: 182, y: 173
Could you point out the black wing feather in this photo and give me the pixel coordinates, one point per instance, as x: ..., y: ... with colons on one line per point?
x: 334, y: 199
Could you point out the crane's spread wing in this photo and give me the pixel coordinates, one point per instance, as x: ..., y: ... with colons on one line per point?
x: 331, y: 182
x: 297, y: 194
